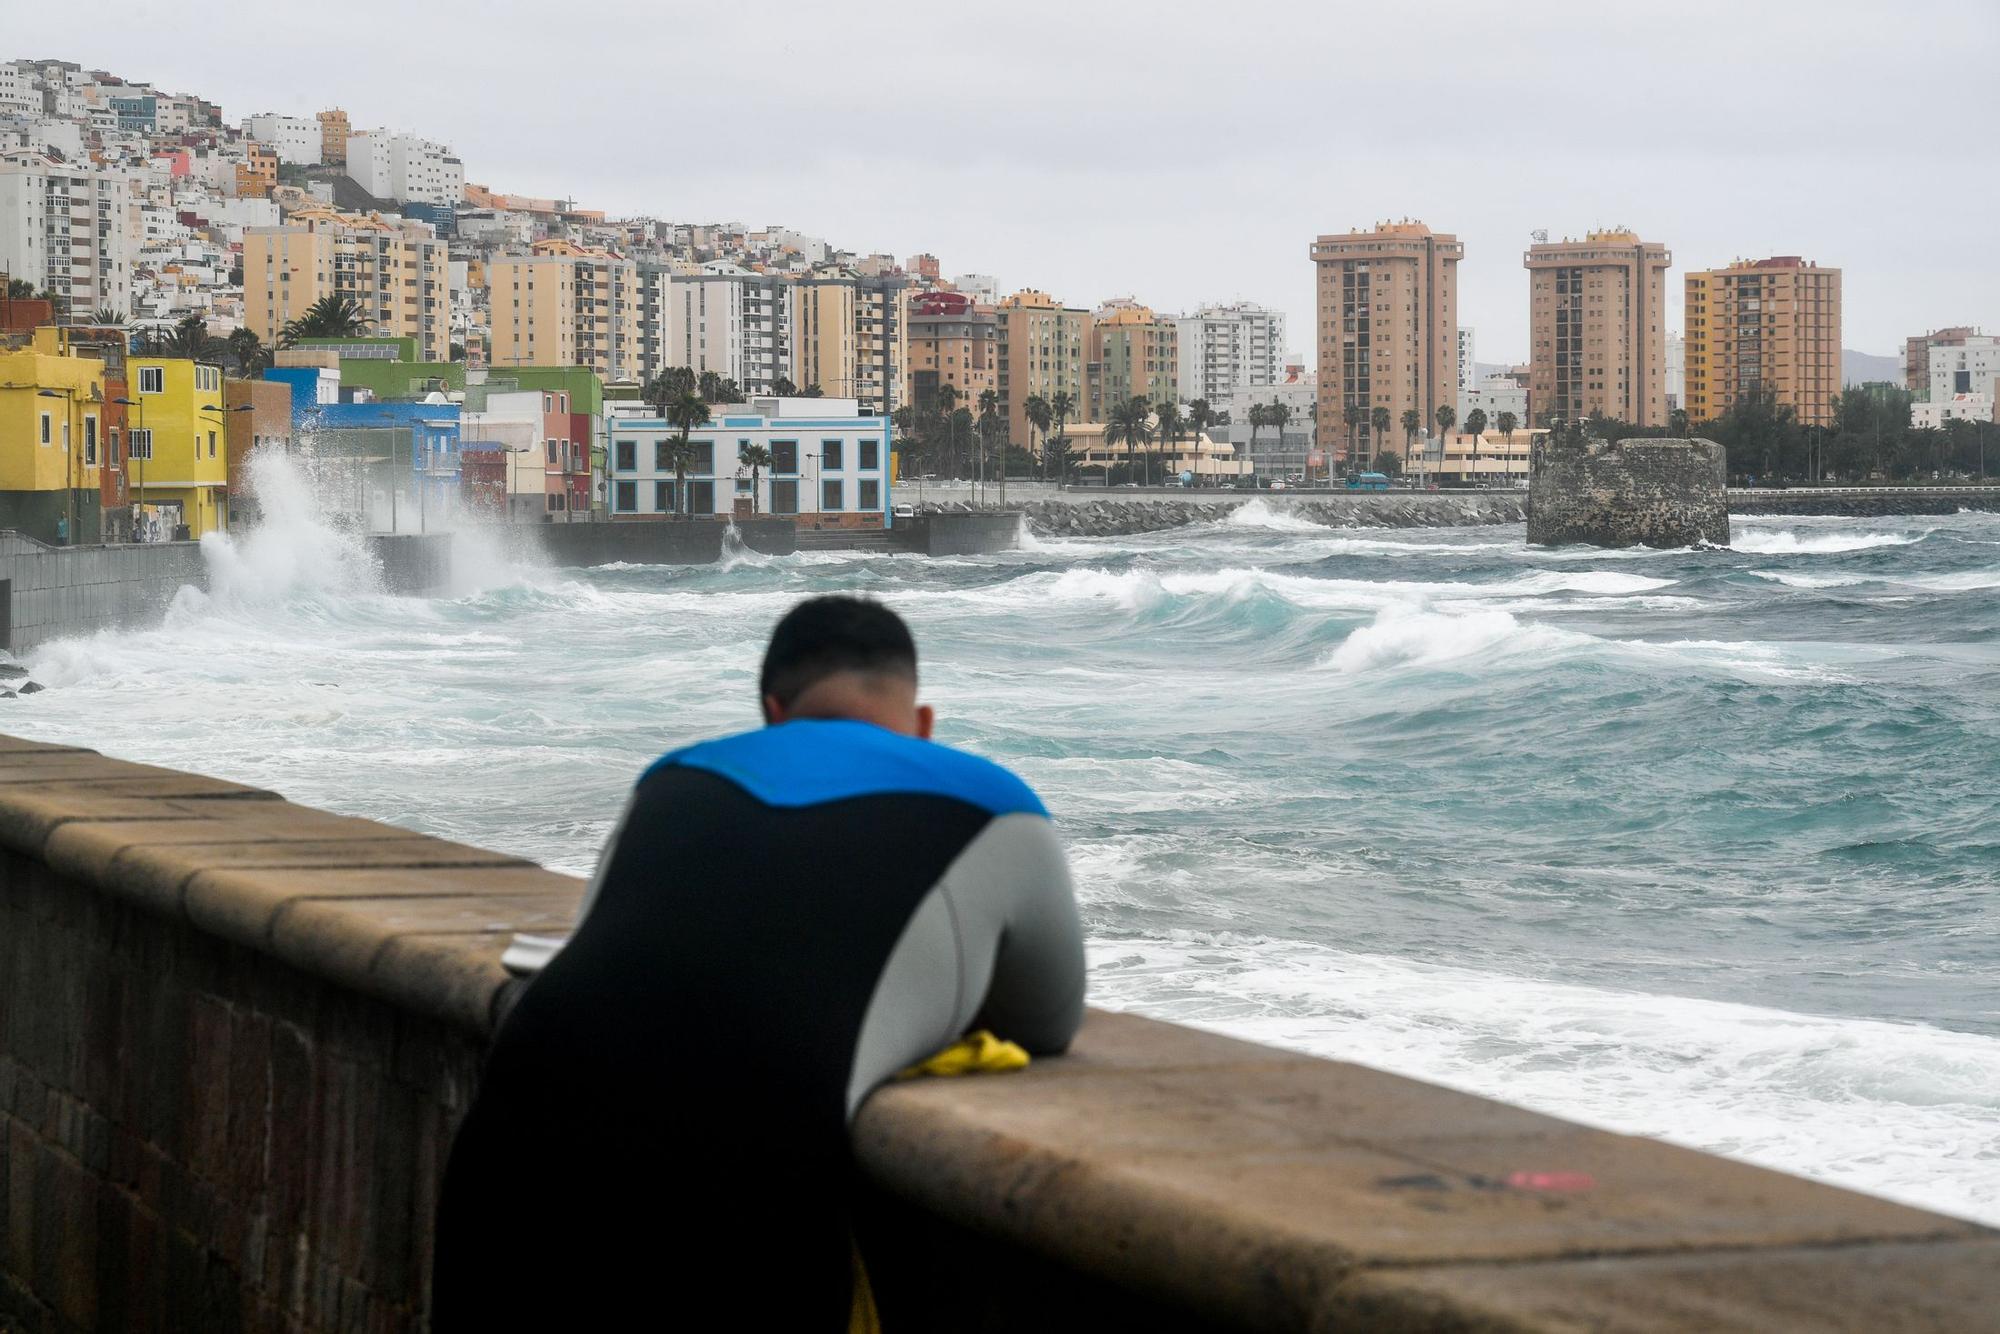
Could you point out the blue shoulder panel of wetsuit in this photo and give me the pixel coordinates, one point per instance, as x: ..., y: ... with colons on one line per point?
x: 808, y: 762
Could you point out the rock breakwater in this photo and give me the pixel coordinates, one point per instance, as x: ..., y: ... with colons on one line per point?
x: 1110, y: 517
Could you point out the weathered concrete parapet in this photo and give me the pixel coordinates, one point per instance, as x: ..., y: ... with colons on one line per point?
x: 236, y: 1036
x: 1629, y: 493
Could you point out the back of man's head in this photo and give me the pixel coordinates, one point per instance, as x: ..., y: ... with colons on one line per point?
x: 843, y: 657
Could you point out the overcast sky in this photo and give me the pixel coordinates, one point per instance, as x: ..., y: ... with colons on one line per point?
x: 1175, y: 151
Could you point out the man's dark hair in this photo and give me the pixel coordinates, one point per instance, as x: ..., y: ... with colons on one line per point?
x: 824, y: 636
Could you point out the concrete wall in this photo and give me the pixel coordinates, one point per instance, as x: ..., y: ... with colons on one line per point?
x: 960, y: 534
x: 62, y: 592
x: 694, y: 542
x: 236, y: 1035
x: 1654, y: 493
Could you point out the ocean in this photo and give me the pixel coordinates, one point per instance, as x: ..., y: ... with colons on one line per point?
x: 1696, y: 844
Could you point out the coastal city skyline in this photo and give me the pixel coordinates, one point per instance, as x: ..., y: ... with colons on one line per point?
x: 1174, y: 246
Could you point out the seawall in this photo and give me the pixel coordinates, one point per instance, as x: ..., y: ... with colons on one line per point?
x: 1628, y: 493
x: 236, y: 1035
x: 1866, y: 502
x: 694, y: 542
x: 62, y: 592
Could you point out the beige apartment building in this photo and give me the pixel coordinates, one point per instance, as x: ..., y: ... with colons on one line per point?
x: 880, y: 344
x: 394, y: 269
x: 950, y: 340
x: 1764, y: 324
x: 333, y: 132
x: 1388, y: 331
x: 565, y: 305
x: 1597, y: 328
x: 1136, y: 354
x: 825, y: 325
x: 1043, y: 349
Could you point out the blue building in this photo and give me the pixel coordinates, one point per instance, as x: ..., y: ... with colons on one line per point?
x: 136, y: 113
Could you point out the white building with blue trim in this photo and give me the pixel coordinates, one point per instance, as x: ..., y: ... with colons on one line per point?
x: 829, y: 464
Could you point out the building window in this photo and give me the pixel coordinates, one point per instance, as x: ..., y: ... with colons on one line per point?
x: 557, y: 500
x: 870, y: 497
x: 211, y: 444
x: 830, y: 455
x: 628, y: 456
x: 830, y: 494
x: 701, y: 497
x: 48, y: 429
x: 704, y: 456
x: 663, y: 497
x: 548, y: 402
x: 870, y: 455
x: 549, y: 450
x: 625, y: 497
x: 90, y: 442
x: 784, y: 495
x: 785, y: 457
x: 142, y: 444
x: 743, y: 486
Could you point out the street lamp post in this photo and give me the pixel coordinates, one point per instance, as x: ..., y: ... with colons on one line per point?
x: 141, y: 406
x: 69, y: 479
x: 221, y: 420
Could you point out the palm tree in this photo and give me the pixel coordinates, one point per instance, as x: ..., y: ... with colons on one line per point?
x: 248, y: 352
x: 1379, y: 423
x: 1061, y: 408
x: 1036, y: 409
x: 1260, y: 417
x: 335, y: 316
x: 1475, y: 424
x: 1354, y: 414
x: 1445, y: 415
x: 684, y: 413
x: 989, y: 418
x: 756, y: 458
x: 1131, y: 424
x: 107, y: 316
x: 1200, y: 416
x: 20, y: 289
x: 1275, y: 417
x: 1172, y: 426
x: 947, y: 407
x: 190, y: 339
x: 784, y: 388
x: 1413, y: 421
x: 1505, y: 424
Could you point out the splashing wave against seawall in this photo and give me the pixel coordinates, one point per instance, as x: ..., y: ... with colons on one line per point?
x: 1701, y: 844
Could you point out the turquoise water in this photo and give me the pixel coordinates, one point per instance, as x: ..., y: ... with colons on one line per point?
x: 1701, y: 844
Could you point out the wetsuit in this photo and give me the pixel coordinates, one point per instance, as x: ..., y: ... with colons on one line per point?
x: 782, y: 920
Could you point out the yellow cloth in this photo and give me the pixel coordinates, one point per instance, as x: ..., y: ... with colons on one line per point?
x: 974, y: 1054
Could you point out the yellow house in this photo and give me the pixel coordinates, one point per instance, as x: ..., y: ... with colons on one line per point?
x: 52, y: 417
x: 178, y: 456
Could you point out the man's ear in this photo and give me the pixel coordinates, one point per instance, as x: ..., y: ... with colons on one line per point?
x: 926, y: 719
x: 774, y: 712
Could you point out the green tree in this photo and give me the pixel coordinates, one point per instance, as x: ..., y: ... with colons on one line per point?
x: 784, y: 388
x: 246, y: 351
x: 1413, y: 421
x: 20, y: 289
x: 1388, y: 460
x: 1677, y: 423
x: 1277, y: 416
x: 1036, y: 409
x: 989, y: 426
x: 1131, y: 424
x: 1061, y: 408
x: 105, y: 315
x: 1172, y: 427
x: 683, y: 414
x: 1506, y: 423
x: 1353, y: 415
x: 191, y: 339
x: 1379, y: 422
x: 1201, y: 418
x: 1475, y: 423
x: 333, y: 316
x: 756, y: 458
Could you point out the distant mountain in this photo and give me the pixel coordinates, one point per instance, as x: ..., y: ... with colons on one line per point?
x: 1861, y: 367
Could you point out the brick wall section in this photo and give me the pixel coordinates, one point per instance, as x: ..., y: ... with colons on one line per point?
x: 236, y: 1035
x: 1653, y: 493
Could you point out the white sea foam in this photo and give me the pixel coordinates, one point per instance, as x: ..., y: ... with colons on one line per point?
x: 1784, y: 542
x: 1900, y: 1109
x: 1403, y: 637
x: 1259, y: 514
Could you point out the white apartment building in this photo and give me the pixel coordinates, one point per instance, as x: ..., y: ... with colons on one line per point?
x: 730, y: 321
x: 981, y: 287
x: 67, y: 229
x: 19, y: 88
x: 1468, y: 372
x: 1967, y: 367
x: 295, y: 139
x: 1932, y: 416
x: 1228, y: 348
x: 829, y: 464
x: 405, y: 168
x: 1677, y: 360
x: 1494, y: 395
